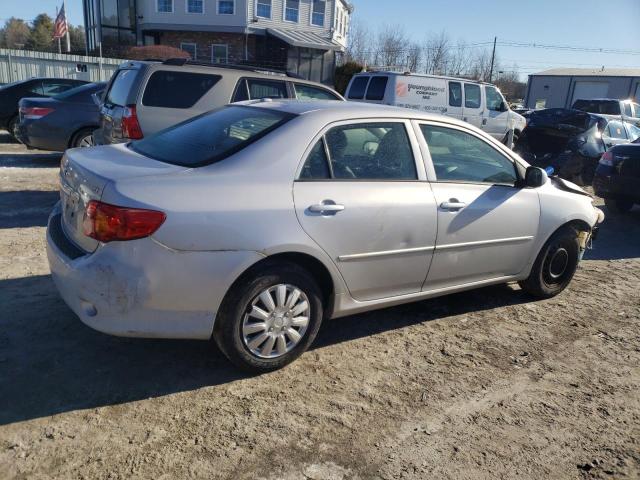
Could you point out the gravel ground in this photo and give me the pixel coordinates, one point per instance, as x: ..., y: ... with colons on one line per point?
x: 484, y: 384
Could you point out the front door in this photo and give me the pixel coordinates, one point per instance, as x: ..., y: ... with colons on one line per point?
x: 365, y: 201
x: 496, y: 115
x: 472, y: 112
x: 486, y: 224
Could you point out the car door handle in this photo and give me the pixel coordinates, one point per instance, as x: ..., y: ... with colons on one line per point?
x: 484, y: 121
x: 453, y: 204
x: 326, y: 208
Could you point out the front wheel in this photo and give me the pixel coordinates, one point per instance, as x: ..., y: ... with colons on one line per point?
x: 269, y: 318
x: 555, y: 265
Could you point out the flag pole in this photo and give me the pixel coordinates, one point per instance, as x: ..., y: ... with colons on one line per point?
x: 59, y: 46
x: 65, y: 19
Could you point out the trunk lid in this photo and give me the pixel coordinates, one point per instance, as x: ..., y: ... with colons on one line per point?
x: 84, y: 174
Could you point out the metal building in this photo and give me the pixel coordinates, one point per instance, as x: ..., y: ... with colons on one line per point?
x: 560, y: 87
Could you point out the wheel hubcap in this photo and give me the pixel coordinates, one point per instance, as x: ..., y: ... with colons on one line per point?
x: 276, y: 320
x: 86, y: 141
x: 558, y: 263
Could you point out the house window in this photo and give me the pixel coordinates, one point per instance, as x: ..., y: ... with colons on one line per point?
x: 263, y: 8
x: 317, y: 13
x: 220, y: 53
x: 291, y: 11
x: 195, y: 6
x: 165, y: 6
x: 190, y: 48
x: 226, y: 7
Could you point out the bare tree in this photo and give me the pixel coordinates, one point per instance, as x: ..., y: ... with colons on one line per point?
x: 391, y: 47
x: 360, y: 43
x: 437, y: 53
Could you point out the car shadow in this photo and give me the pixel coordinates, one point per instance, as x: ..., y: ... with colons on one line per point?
x: 30, y: 160
x: 26, y: 208
x: 618, y: 238
x: 51, y: 363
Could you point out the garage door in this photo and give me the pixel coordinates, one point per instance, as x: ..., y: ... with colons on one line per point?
x: 589, y: 90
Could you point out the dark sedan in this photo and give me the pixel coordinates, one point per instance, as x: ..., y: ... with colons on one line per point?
x: 617, y: 177
x: 11, y: 94
x: 65, y: 121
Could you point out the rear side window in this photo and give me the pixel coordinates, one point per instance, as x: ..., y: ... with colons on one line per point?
x: 177, y: 89
x: 309, y: 92
x: 259, y: 88
x: 455, y: 94
x: 377, y: 87
x: 120, y: 87
x: 472, y: 96
x: 616, y: 130
x: 211, y: 137
x: 317, y: 166
x: 358, y: 88
x: 636, y: 109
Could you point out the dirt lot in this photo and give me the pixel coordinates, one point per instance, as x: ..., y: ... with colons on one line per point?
x: 486, y: 384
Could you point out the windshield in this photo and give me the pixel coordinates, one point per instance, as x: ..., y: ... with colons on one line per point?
x: 82, y: 90
x: 211, y: 137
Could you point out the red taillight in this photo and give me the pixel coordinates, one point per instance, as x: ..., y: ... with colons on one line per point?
x: 607, y: 159
x: 33, y: 113
x: 107, y: 223
x: 130, y: 125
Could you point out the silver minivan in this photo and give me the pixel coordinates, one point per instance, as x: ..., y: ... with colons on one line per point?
x: 478, y: 103
x: 144, y: 97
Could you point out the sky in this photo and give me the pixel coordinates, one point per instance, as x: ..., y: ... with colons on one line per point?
x: 612, y: 24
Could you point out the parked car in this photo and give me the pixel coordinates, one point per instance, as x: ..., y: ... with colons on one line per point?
x: 67, y: 120
x: 144, y: 97
x: 478, y: 103
x: 256, y: 221
x: 626, y: 110
x: 617, y: 177
x: 11, y: 94
x: 571, y: 141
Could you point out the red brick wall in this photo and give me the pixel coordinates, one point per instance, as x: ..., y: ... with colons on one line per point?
x: 204, y: 40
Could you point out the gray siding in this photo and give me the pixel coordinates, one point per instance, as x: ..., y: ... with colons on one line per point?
x: 210, y: 17
x: 304, y: 20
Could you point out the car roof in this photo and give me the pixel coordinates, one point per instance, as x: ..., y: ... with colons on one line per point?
x: 345, y: 110
x: 421, y: 75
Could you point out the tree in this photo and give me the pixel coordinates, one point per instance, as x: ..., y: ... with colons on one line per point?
x: 41, y: 33
x: 360, y: 43
x: 391, y: 47
x: 15, y: 33
x: 344, y: 74
x: 76, y: 37
x: 157, y: 52
x: 437, y: 54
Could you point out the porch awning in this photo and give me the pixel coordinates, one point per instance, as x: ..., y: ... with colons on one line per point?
x: 297, y: 38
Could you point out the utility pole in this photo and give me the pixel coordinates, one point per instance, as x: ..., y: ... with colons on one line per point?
x: 493, y: 57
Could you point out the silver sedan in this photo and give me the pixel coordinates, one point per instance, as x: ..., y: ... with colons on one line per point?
x: 252, y: 223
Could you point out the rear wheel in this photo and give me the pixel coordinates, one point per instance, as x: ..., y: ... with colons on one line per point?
x: 618, y: 205
x: 555, y: 265
x: 269, y: 318
x: 12, y: 127
x: 83, y: 138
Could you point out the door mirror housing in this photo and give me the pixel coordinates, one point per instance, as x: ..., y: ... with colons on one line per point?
x: 535, y: 177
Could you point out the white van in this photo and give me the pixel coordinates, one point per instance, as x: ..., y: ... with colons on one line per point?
x: 478, y: 103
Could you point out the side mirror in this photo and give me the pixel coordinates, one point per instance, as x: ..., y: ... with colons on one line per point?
x: 535, y: 177
x: 504, y: 107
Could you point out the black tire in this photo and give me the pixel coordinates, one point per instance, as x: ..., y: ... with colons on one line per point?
x: 77, y: 140
x: 555, y: 265
x: 12, y: 127
x: 228, y: 331
x: 618, y: 205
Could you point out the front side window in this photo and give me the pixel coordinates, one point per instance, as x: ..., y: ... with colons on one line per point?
x: 263, y: 8
x: 377, y: 88
x: 317, y: 12
x: 627, y: 110
x: 472, y: 96
x: 358, y: 88
x: 226, y: 7
x: 494, y: 99
x: 460, y: 157
x: 211, y: 137
x: 370, y: 151
x: 633, y: 132
x: 455, y: 94
x: 292, y: 10
x: 636, y: 110
x: 616, y: 130
x: 308, y: 92
x: 219, y: 53
x: 170, y: 89
x: 195, y: 6
x: 165, y: 6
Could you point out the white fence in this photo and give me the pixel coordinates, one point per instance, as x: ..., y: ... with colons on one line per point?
x: 22, y: 64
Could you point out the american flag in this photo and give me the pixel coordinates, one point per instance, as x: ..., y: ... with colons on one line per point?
x: 60, y: 27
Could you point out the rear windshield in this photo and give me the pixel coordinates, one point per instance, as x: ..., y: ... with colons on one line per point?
x: 211, y: 137
x: 170, y: 89
x: 358, y: 87
x: 81, y: 93
x: 606, y: 107
x: 120, y: 87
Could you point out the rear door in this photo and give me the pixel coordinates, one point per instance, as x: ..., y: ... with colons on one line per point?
x: 363, y: 198
x: 495, y: 118
x: 455, y: 100
x: 170, y: 97
x: 472, y: 112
